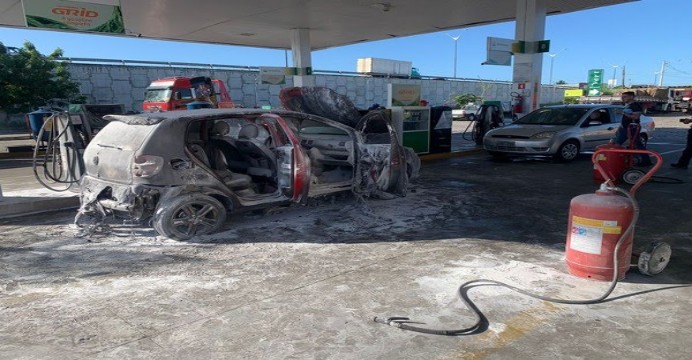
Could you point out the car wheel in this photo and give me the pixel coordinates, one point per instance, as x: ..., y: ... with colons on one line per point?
x: 568, y: 151
x: 498, y: 156
x: 471, y: 117
x: 644, y: 139
x: 187, y: 216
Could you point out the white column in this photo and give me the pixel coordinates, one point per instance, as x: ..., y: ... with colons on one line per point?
x: 530, y: 26
x: 302, y: 57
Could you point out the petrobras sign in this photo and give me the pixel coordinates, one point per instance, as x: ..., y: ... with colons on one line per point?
x: 499, y: 51
x: 73, y: 16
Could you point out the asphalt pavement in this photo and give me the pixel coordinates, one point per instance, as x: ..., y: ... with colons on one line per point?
x: 306, y: 281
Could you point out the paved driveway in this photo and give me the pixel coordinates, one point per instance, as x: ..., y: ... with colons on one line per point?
x: 305, y: 281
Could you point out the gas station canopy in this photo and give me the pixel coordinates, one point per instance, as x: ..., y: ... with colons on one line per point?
x: 331, y: 23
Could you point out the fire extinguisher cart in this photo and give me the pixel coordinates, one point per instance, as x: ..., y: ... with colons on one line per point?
x: 598, y: 222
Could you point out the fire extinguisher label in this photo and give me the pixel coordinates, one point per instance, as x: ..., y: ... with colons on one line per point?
x: 607, y: 226
x: 586, y: 239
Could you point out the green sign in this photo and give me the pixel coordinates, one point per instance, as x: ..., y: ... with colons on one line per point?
x: 530, y: 47
x: 74, y: 16
x: 543, y: 46
x: 594, y: 82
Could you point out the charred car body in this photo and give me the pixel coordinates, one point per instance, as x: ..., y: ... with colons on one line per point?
x: 186, y: 170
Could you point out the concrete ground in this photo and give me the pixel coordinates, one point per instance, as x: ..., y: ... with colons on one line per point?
x: 305, y: 281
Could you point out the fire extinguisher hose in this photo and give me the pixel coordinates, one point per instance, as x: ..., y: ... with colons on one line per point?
x: 404, y: 322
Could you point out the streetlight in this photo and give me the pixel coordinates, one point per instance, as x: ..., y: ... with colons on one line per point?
x: 552, y: 59
x: 456, y: 41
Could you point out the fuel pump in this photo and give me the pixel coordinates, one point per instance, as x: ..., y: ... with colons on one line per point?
x: 63, y: 132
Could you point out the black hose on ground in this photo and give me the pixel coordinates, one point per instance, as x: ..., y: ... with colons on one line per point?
x: 403, y: 322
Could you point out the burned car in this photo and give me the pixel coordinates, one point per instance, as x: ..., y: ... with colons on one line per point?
x: 185, y: 170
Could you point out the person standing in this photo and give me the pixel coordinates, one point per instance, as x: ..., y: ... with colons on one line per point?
x: 684, y: 159
x: 631, y: 114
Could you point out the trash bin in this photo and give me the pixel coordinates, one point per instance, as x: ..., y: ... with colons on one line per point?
x: 441, y: 133
x: 36, y: 120
x: 199, y: 105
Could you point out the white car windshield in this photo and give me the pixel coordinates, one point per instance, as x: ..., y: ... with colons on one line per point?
x: 553, y: 116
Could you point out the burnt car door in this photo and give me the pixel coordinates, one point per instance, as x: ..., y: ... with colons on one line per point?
x: 381, y: 170
x: 293, y: 164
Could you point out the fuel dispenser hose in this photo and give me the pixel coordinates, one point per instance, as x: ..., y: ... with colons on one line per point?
x: 51, y: 156
x: 403, y: 322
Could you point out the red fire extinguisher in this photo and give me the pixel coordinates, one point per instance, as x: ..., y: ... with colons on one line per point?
x: 602, y: 224
x: 517, y: 101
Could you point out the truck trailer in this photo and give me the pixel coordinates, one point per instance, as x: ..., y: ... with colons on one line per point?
x: 385, y: 67
x: 660, y: 99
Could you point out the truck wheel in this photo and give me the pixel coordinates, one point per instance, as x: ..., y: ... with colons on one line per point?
x: 471, y: 117
x: 187, y: 216
x: 568, y: 151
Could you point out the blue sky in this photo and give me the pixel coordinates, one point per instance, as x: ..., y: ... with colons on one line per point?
x: 639, y: 35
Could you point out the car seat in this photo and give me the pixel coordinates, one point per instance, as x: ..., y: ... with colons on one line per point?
x: 262, y: 159
x: 224, y: 157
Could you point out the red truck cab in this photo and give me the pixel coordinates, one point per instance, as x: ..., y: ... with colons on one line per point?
x: 175, y: 93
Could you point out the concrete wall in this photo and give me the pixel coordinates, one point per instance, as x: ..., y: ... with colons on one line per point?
x: 126, y: 85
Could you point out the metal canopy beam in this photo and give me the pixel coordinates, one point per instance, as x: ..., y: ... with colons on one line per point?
x: 269, y: 23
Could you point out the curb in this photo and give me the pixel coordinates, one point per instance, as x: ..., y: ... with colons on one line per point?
x: 450, y: 155
x: 12, y: 208
x: 19, y: 155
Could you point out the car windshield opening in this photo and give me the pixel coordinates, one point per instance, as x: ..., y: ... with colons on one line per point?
x: 551, y: 116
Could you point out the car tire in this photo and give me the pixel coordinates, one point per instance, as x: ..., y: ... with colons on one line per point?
x: 498, y: 156
x: 644, y: 138
x: 568, y: 151
x: 172, y: 218
x: 471, y: 117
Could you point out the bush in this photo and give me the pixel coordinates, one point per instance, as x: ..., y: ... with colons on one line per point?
x: 29, y: 79
x: 464, y: 99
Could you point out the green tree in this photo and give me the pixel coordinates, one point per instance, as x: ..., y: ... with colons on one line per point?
x: 464, y: 99
x: 561, y: 82
x: 28, y: 79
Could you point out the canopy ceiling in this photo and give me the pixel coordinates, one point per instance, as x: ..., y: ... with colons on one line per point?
x: 267, y: 23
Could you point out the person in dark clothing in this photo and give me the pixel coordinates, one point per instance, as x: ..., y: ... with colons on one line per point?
x: 630, y: 117
x: 684, y: 159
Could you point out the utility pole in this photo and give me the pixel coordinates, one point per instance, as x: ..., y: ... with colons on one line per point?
x: 623, y: 76
x: 662, y: 72
x: 615, y: 67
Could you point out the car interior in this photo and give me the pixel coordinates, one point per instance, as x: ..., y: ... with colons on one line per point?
x: 243, y: 153
x: 330, y: 150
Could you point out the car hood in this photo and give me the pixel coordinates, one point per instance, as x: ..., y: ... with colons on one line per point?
x: 525, y: 130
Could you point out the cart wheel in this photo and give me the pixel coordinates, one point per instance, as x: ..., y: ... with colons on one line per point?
x: 631, y: 176
x: 654, y: 259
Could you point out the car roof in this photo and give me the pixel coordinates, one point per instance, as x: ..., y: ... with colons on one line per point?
x: 153, y: 118
x: 582, y: 106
